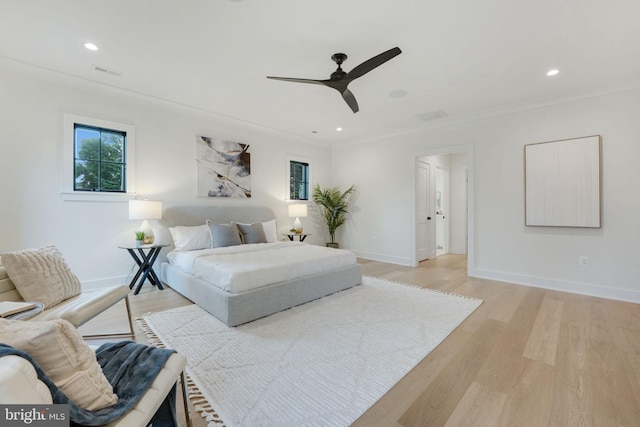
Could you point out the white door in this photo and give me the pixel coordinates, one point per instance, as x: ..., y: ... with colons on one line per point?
x: 425, y: 224
x: 442, y: 210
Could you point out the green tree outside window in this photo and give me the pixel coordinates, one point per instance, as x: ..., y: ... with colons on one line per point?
x: 99, y: 159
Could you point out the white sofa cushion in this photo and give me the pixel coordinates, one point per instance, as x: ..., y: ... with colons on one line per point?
x: 64, y: 357
x: 19, y: 383
x: 41, y: 275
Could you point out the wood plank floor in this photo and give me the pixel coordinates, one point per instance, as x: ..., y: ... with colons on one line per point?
x: 526, y: 357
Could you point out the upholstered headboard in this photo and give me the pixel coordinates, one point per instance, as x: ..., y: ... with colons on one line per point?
x: 198, y: 215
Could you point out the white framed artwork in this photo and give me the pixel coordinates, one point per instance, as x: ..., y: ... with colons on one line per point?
x: 223, y: 168
x: 563, y: 183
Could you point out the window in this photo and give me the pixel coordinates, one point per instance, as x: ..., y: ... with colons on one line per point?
x: 298, y: 180
x: 99, y: 159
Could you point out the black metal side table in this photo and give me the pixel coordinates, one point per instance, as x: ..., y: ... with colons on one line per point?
x: 301, y: 236
x: 145, y: 265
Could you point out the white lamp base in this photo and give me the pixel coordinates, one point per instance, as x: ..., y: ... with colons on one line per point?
x: 148, y: 232
x: 297, y: 225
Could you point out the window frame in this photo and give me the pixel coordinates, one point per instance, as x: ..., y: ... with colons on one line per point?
x: 290, y: 160
x: 68, y: 152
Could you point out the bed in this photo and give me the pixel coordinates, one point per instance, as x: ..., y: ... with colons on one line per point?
x: 238, y: 290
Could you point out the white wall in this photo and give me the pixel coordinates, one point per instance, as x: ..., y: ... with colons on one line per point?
x: 32, y: 213
x: 458, y: 204
x: 504, y: 248
x: 88, y: 233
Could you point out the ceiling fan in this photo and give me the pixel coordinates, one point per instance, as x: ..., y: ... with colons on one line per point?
x: 340, y: 79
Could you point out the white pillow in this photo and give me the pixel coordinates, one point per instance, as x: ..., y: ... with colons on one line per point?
x: 191, y: 238
x: 41, y: 275
x: 64, y: 357
x: 270, y: 233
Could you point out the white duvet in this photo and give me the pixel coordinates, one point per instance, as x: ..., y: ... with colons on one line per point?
x: 246, y: 267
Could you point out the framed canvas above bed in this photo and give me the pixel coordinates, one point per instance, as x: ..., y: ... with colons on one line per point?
x: 223, y: 168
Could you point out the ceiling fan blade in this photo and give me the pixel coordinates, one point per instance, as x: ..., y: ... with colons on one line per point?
x: 290, y: 79
x: 372, y: 63
x: 351, y: 100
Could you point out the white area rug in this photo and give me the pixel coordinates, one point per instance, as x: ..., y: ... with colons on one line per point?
x: 323, y: 363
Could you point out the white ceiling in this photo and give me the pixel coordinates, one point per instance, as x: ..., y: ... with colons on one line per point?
x: 468, y: 58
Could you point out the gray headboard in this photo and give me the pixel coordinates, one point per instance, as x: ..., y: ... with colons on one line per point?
x: 198, y: 215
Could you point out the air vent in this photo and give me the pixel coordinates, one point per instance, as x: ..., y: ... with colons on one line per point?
x: 433, y: 115
x: 107, y: 70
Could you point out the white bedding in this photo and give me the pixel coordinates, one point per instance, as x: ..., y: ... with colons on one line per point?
x: 245, y: 267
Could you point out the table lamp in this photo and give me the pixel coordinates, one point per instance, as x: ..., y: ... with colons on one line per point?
x: 145, y: 210
x: 297, y: 211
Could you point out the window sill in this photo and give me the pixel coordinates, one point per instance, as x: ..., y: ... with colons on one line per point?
x: 81, y: 196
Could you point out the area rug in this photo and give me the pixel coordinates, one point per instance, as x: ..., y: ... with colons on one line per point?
x: 323, y: 363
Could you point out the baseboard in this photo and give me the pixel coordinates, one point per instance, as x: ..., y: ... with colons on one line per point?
x: 382, y: 258
x: 89, y: 285
x: 589, y: 289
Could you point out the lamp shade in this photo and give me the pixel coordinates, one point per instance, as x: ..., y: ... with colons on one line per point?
x: 296, y: 211
x: 145, y: 209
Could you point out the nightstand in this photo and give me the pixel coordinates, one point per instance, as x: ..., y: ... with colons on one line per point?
x: 301, y: 236
x: 145, y: 265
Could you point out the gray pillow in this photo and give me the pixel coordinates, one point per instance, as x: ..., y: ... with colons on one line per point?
x: 252, y: 233
x: 224, y: 234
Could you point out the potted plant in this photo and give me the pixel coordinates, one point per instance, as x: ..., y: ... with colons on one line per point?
x: 334, y: 206
x: 139, y: 238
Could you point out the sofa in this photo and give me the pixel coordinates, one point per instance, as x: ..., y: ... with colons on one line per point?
x: 19, y: 384
x: 78, y: 309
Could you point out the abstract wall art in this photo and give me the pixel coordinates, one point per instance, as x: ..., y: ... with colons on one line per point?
x: 223, y: 168
x: 563, y: 183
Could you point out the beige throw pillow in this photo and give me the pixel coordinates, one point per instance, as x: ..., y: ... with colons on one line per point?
x: 64, y: 357
x: 41, y: 275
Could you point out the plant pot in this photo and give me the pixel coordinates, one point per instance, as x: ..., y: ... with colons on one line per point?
x: 139, y: 242
x: 334, y: 245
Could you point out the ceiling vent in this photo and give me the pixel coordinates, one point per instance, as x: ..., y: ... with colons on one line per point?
x: 433, y: 115
x: 106, y: 70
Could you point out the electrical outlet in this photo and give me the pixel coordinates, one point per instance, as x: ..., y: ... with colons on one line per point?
x: 583, y: 260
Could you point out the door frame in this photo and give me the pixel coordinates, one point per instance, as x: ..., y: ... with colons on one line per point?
x: 468, y: 149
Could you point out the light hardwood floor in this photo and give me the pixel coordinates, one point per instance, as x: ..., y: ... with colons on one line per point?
x: 525, y: 357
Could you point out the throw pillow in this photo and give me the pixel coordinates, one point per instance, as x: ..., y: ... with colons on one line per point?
x: 41, y: 275
x: 252, y: 233
x: 224, y: 234
x: 64, y: 357
x: 187, y: 238
x: 269, y: 228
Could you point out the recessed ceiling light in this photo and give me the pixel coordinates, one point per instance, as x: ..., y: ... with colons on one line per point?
x: 339, y: 129
x: 91, y: 46
x: 398, y: 93
x: 552, y: 72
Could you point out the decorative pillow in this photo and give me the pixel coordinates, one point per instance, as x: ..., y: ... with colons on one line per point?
x: 59, y: 350
x: 270, y: 233
x: 224, y: 234
x: 187, y: 238
x: 41, y: 275
x: 269, y: 229
x: 253, y: 233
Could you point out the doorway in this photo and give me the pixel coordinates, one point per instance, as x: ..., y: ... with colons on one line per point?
x: 443, y: 191
x: 442, y: 209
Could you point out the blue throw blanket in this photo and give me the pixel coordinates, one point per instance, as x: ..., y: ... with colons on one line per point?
x: 130, y: 368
